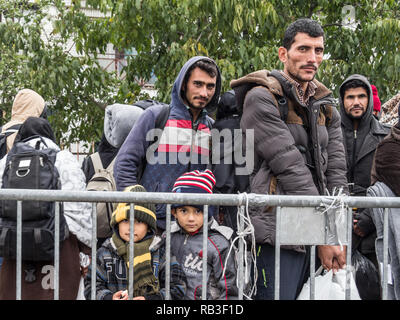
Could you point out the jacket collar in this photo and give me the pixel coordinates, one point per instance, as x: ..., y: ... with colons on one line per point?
x: 212, y: 225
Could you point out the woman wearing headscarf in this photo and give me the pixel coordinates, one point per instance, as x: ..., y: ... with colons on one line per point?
x: 39, y: 285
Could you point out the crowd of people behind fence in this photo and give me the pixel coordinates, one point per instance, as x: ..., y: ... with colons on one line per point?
x: 304, y: 141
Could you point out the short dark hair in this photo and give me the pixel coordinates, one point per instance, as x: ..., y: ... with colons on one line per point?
x: 304, y: 25
x: 205, y: 65
x: 355, y: 83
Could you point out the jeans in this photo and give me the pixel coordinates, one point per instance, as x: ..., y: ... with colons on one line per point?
x: 293, y: 271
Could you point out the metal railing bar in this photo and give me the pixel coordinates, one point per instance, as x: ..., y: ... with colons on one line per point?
x: 94, y: 252
x: 205, y: 252
x: 241, y: 255
x: 131, y: 249
x: 19, y: 251
x: 200, y: 199
x: 312, y: 272
x: 57, y: 251
x: 168, y: 254
x: 385, y: 269
x: 277, y: 253
x: 348, y: 252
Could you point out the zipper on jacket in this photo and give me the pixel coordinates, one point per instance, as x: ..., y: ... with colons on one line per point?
x: 194, y: 131
x: 354, y: 156
x: 186, y: 237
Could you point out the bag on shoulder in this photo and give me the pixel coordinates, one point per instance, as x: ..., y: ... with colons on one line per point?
x: 3, y: 138
x: 30, y: 168
x: 102, y: 180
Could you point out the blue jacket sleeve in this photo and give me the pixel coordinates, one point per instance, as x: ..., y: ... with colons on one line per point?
x: 132, y: 153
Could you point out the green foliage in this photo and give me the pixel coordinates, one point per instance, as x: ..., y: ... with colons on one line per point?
x: 75, y: 88
x: 242, y: 36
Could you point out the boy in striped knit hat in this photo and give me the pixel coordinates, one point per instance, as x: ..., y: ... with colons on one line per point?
x: 149, y: 260
x: 187, y: 242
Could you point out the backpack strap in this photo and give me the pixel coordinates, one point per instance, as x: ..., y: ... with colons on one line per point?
x: 97, y: 162
x: 11, y: 130
x: 280, y: 102
x: 162, y: 117
x: 111, y: 165
x: 160, y: 123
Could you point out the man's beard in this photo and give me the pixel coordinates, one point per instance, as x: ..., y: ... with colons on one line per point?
x: 355, y: 117
x: 191, y: 106
x: 298, y: 79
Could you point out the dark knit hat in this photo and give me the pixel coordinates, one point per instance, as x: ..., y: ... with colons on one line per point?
x: 194, y: 182
x: 377, y: 101
x: 142, y: 212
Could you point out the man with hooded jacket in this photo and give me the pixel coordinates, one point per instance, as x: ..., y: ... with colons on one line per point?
x: 362, y: 133
x: 184, y: 142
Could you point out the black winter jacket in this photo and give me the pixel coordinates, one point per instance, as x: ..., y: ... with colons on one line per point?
x: 360, y: 148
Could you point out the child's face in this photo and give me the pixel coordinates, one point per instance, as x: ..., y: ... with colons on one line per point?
x: 139, y: 230
x: 189, y: 218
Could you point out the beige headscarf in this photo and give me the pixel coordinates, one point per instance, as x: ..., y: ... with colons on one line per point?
x: 27, y: 103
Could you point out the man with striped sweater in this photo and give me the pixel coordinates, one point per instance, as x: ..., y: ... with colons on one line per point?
x: 184, y: 142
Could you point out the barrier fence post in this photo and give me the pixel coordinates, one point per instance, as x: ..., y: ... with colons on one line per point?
x: 241, y: 254
x: 312, y: 272
x: 348, y: 252
x: 19, y: 250
x: 385, y: 254
x: 57, y: 251
x: 277, y: 252
x: 205, y: 254
x: 131, y: 249
x: 168, y: 254
x: 94, y: 252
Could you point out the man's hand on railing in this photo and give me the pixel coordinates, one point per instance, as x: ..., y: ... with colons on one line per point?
x: 332, y: 257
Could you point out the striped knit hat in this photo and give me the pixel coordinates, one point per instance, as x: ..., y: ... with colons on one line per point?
x: 194, y: 182
x: 143, y: 212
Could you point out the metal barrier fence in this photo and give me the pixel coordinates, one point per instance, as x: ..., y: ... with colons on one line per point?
x: 310, y: 227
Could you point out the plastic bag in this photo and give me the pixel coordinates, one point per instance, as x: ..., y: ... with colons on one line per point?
x: 366, y: 277
x: 330, y: 286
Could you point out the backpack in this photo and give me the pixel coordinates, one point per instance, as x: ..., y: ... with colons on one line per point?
x: 3, y: 138
x: 102, y: 180
x: 31, y: 168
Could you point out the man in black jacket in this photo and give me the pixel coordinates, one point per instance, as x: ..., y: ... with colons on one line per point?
x: 361, y: 132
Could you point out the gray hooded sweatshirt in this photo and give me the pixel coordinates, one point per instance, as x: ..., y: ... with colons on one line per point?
x: 360, y: 144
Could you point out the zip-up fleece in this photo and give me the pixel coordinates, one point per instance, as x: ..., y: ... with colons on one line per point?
x: 188, y: 249
x: 181, y: 148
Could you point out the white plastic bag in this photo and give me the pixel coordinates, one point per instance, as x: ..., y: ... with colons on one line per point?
x: 84, y: 262
x: 330, y: 286
x: 81, y: 290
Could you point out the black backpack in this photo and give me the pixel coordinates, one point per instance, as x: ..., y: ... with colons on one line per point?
x: 3, y: 138
x: 30, y: 168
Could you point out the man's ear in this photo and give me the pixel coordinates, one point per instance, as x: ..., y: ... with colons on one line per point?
x: 282, y: 54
